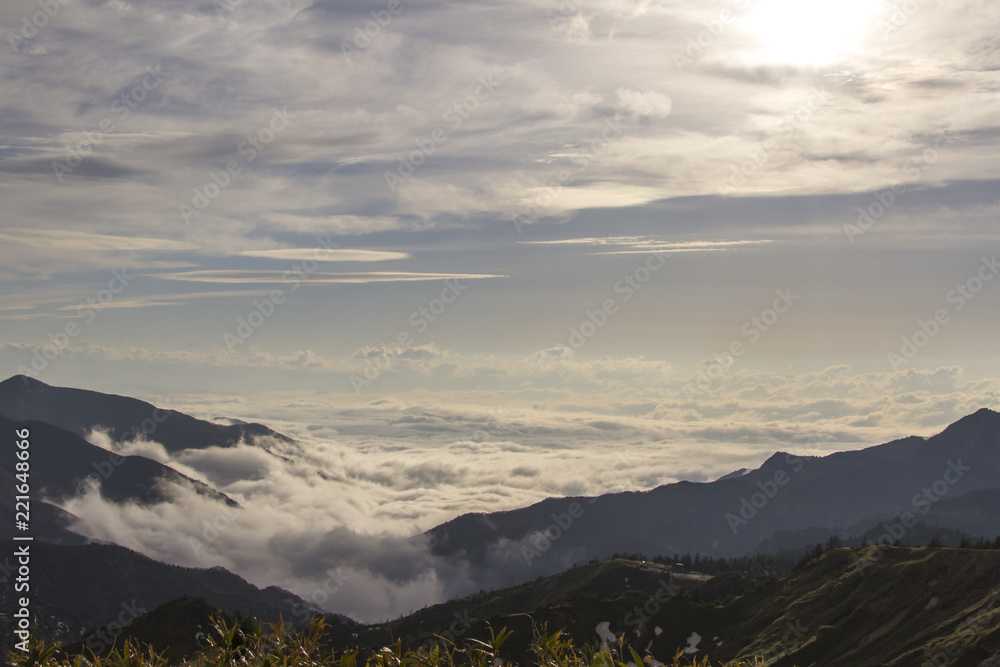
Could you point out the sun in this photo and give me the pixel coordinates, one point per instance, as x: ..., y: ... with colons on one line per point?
x: 810, y: 32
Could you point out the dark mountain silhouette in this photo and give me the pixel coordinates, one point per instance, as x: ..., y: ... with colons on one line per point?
x: 60, y: 461
x: 74, y: 588
x: 175, y: 629
x: 891, y: 606
x: 733, y: 515
x: 79, y: 410
x: 48, y: 522
x: 847, y: 607
x: 973, y: 514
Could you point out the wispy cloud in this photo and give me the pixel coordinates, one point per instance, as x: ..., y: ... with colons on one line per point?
x: 626, y: 245
x: 90, y: 242
x: 327, y: 254
x: 319, y: 277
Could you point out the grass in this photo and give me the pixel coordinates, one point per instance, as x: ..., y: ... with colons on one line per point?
x: 245, y: 643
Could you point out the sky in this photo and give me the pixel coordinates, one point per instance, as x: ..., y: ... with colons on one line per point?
x: 523, y: 237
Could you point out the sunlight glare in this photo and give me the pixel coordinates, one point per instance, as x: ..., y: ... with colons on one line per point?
x: 810, y: 33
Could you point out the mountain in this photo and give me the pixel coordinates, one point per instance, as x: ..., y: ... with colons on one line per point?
x: 23, y: 398
x: 892, y: 606
x: 75, y: 587
x: 951, y: 519
x: 60, y: 461
x: 48, y: 522
x: 848, y: 607
x: 175, y: 630
x: 733, y: 515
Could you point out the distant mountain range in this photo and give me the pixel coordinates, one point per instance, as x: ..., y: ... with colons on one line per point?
x: 952, y: 478
x: 62, y: 460
x: 23, y: 398
x: 76, y: 585
x: 901, y: 490
x: 60, y: 418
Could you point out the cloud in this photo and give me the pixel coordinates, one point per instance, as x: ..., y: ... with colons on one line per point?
x: 327, y: 254
x: 339, y: 225
x: 273, y: 277
x: 578, y: 118
x: 87, y: 242
x: 649, y: 104
x: 286, y: 532
x: 627, y: 245
x: 174, y: 299
x: 367, y: 474
x: 223, y: 466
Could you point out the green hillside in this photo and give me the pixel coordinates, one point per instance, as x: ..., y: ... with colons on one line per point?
x: 847, y: 607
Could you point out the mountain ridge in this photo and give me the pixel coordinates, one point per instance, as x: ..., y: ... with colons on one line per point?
x: 732, y: 515
x: 62, y: 461
x: 841, y: 608
x: 82, y: 410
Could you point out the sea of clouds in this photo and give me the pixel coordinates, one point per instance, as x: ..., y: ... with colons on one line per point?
x: 338, y: 516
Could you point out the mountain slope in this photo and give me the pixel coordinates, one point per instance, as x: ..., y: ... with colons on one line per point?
x: 48, y: 522
x: 60, y: 461
x: 846, y: 608
x: 175, y: 630
x: 76, y: 587
x: 79, y: 410
x: 879, y: 606
x: 731, y: 516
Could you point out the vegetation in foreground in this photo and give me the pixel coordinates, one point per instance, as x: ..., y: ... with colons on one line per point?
x: 247, y: 644
x: 845, y: 607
